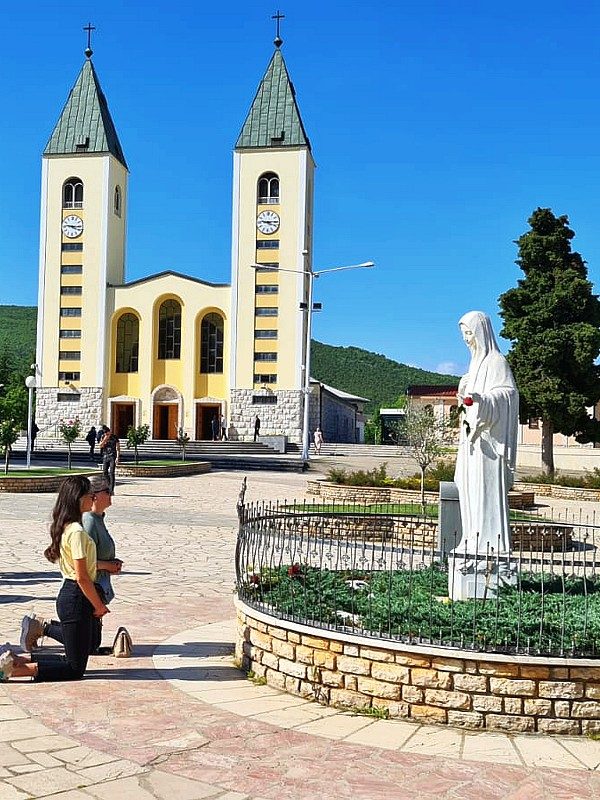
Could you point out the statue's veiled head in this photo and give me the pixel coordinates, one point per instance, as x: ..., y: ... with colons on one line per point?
x: 477, y: 331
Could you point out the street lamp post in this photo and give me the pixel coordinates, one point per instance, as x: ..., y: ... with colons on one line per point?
x: 311, y: 275
x: 30, y: 383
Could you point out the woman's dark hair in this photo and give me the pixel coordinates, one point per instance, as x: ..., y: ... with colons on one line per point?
x: 66, y: 510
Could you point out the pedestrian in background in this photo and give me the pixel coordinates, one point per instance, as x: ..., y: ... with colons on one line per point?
x: 318, y: 439
x: 91, y: 440
x: 110, y: 448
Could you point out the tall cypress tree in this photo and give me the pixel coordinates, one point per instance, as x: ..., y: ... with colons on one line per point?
x: 552, y: 319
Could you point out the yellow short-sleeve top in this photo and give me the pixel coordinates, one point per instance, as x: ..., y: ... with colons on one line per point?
x: 75, y: 544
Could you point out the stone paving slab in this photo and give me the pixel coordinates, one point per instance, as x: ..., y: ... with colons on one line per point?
x: 156, y: 728
x: 266, y: 704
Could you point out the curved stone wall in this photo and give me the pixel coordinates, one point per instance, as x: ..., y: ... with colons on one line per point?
x: 425, y: 684
x: 174, y: 470
x: 560, y: 492
x: 37, y: 483
x: 340, y: 493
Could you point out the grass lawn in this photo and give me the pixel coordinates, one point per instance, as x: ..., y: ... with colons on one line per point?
x: 412, y: 509
x: 36, y: 471
x: 404, y: 509
x: 164, y: 462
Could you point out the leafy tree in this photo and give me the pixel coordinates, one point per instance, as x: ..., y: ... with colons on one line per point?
x: 373, y: 428
x: 9, y: 433
x: 424, y: 433
x: 13, y: 402
x: 137, y: 437
x: 552, y: 319
x: 69, y: 431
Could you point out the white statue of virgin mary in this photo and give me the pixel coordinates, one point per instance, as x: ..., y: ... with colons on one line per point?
x: 488, y: 440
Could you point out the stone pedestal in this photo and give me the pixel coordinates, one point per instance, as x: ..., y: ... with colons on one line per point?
x: 449, y: 523
x: 478, y: 576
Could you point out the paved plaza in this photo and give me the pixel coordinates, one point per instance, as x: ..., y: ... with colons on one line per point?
x: 180, y: 721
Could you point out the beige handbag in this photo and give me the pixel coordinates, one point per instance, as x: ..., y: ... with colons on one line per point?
x: 122, y: 645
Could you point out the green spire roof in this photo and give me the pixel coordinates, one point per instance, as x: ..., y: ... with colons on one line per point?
x: 274, y: 119
x: 85, y: 124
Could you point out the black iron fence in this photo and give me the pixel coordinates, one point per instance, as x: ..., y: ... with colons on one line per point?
x: 380, y: 571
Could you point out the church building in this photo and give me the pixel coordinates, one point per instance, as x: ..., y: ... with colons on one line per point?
x: 169, y: 350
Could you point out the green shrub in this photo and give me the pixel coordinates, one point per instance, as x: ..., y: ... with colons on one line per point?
x: 378, y: 476
x: 593, y: 479
x: 546, y: 612
x: 374, y: 477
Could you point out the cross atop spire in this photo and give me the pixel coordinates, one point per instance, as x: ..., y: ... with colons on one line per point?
x: 89, y: 28
x: 277, y: 41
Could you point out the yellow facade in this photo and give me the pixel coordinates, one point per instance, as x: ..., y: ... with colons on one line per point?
x: 133, y: 353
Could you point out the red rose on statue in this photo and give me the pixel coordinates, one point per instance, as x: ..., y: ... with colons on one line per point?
x: 468, y: 401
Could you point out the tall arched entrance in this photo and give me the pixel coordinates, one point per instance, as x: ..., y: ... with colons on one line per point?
x: 166, y: 413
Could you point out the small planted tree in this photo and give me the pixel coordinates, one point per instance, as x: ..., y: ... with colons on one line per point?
x: 137, y: 437
x: 424, y: 434
x: 9, y: 433
x: 182, y: 441
x: 69, y: 431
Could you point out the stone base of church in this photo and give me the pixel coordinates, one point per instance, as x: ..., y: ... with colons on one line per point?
x: 54, y: 404
x: 280, y: 413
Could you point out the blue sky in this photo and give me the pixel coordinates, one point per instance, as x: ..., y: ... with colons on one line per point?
x: 437, y: 129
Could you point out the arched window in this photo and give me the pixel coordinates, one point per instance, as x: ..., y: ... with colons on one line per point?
x: 128, y: 342
x: 268, y: 188
x: 169, y: 330
x: 73, y: 193
x: 211, y: 344
x: 118, y: 201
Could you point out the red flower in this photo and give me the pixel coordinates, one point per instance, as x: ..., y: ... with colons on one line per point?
x: 468, y: 401
x: 294, y: 570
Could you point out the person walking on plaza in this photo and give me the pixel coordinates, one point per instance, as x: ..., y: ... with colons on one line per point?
x: 78, y: 603
x: 256, y: 428
x: 91, y: 440
x: 224, y: 428
x: 111, y: 451
x: 33, y: 627
x: 214, y: 427
x: 318, y: 439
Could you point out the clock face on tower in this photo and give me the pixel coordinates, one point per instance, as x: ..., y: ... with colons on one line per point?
x: 267, y: 222
x: 72, y: 226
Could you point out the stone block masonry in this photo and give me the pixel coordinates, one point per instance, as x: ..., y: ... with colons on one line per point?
x: 86, y: 404
x: 282, y: 417
x: 463, y: 689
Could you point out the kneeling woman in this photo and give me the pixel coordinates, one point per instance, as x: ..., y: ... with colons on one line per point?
x: 78, y: 601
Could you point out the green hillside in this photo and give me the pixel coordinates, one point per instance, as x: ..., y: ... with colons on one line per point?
x: 368, y: 374
x: 351, y: 369
x: 17, y: 338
